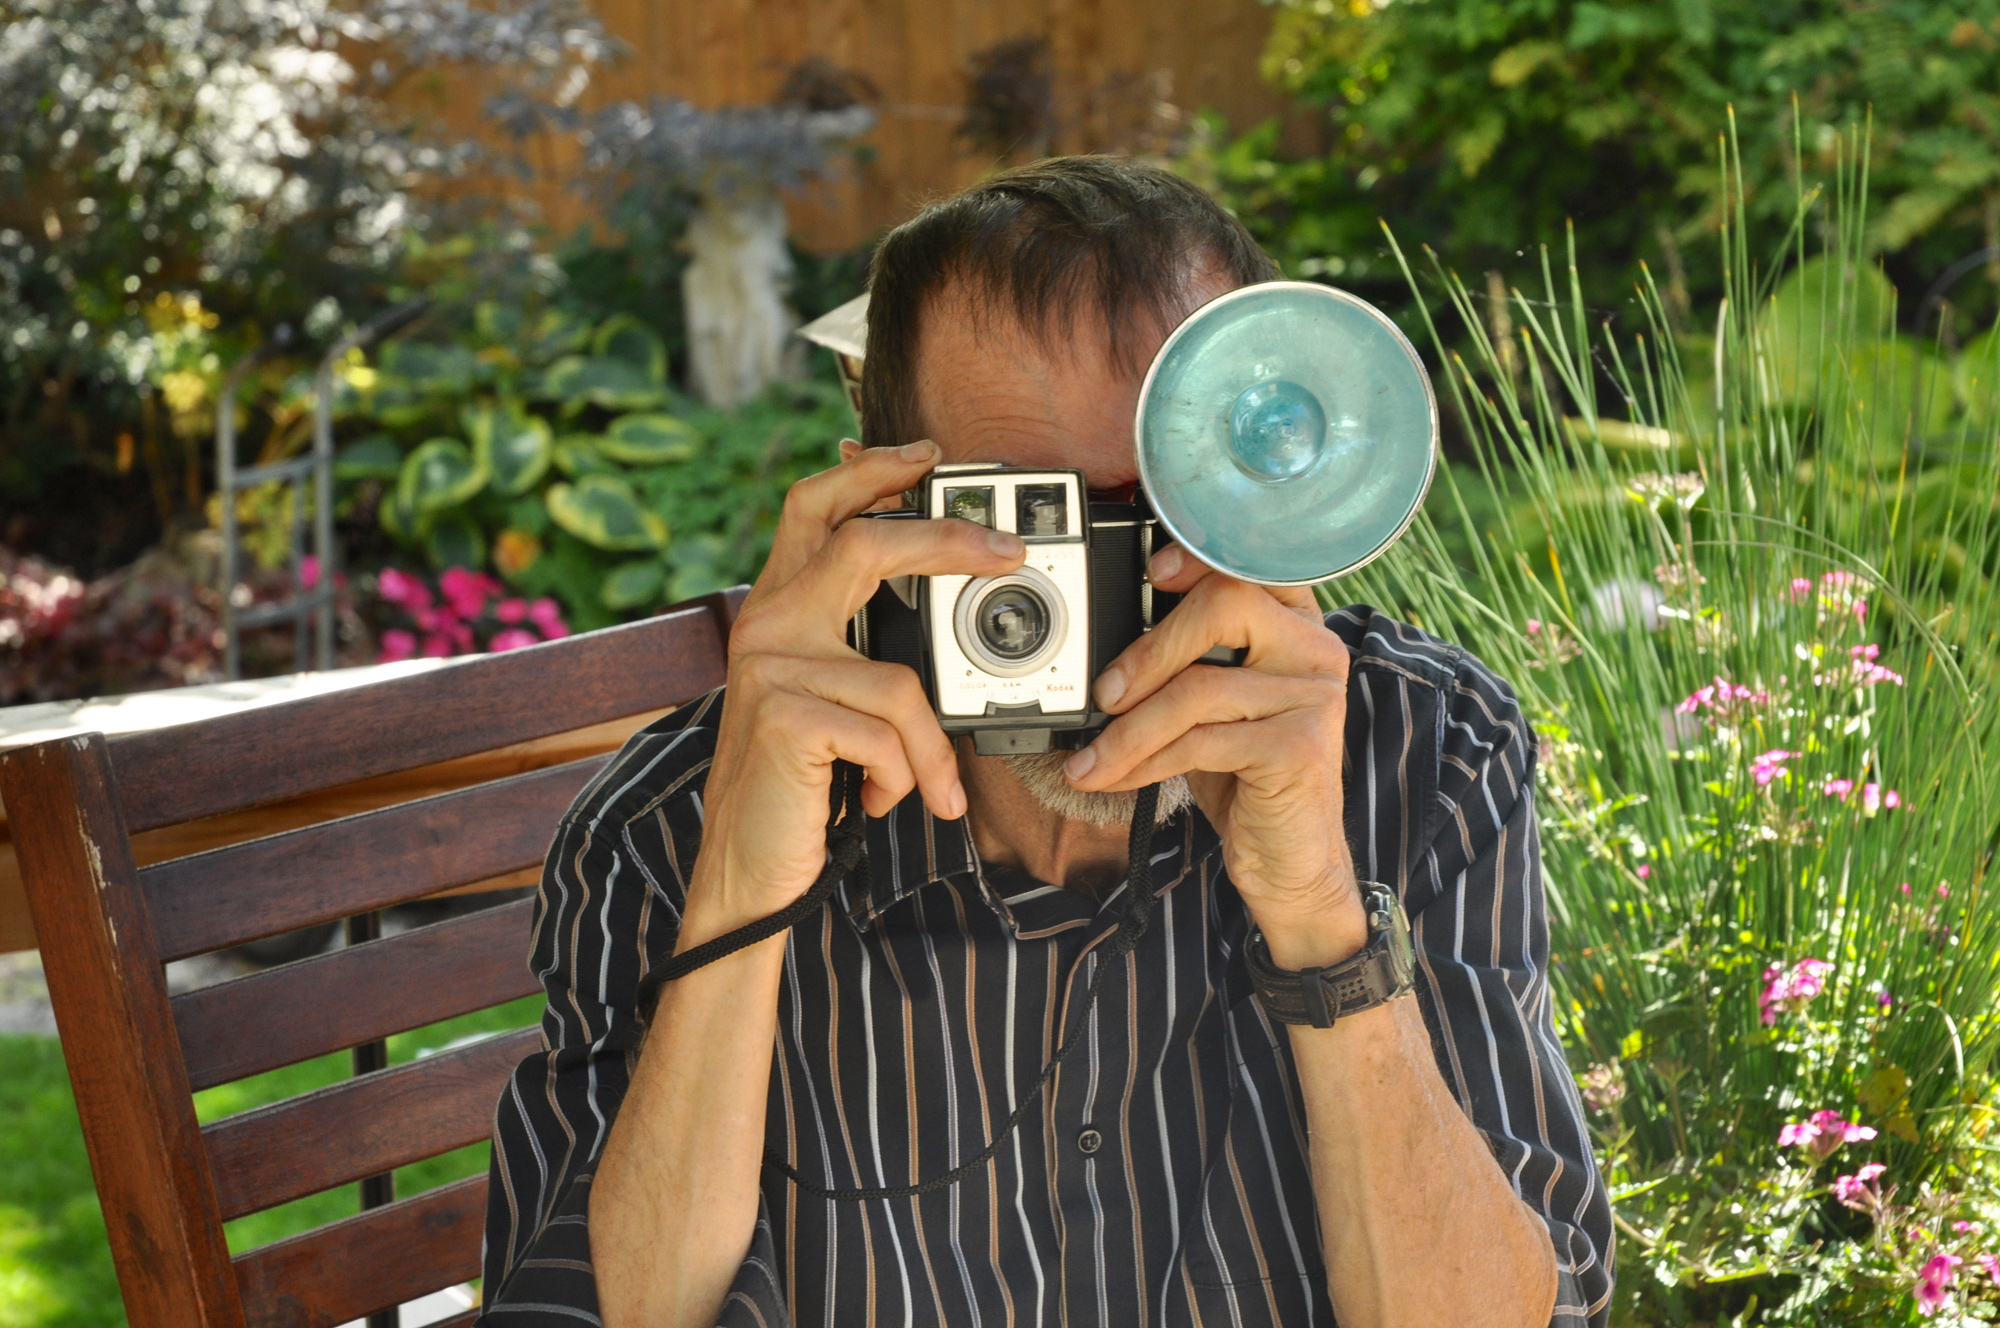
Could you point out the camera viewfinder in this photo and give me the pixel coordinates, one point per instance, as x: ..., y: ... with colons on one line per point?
x: 1040, y: 511
x: 974, y: 505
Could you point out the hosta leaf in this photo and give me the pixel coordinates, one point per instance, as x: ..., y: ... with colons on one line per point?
x: 1813, y: 301
x: 602, y: 510
x: 430, y: 367
x: 514, y: 447
x: 373, y: 458
x: 440, y: 473
x: 577, y: 454
x: 623, y: 337
x: 649, y: 440
x: 455, y: 541
x: 577, y: 381
x: 400, y: 519
x: 633, y: 585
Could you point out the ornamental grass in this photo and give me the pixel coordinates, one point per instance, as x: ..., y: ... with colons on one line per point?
x: 1744, y: 583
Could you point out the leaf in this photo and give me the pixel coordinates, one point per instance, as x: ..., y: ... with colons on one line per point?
x: 455, y: 541
x: 1516, y: 63
x: 602, y: 510
x: 623, y: 337
x: 1473, y: 146
x: 430, y: 367
x: 376, y: 457
x: 633, y: 585
x: 513, y: 446
x: 401, y: 519
x: 440, y: 473
x: 576, y: 455
x: 577, y: 381
x: 649, y: 440
x: 1815, y: 300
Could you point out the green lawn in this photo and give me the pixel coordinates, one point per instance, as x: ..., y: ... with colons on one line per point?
x: 55, y: 1268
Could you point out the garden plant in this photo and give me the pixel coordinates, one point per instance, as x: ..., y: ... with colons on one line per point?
x: 1748, y: 602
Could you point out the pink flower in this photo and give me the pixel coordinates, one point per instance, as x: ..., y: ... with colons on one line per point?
x: 511, y: 611
x: 1838, y: 788
x: 1961, y: 1226
x: 1885, y: 1000
x: 1722, y: 696
x: 1823, y: 1132
x: 1857, y: 1191
x: 1892, y: 799
x: 1944, y: 890
x: 1875, y: 798
x: 402, y: 588
x: 1789, y: 989
x: 437, y: 646
x: 1934, y: 1281
x: 309, y: 571
x: 546, y: 614
x: 1534, y: 627
x: 1800, y: 589
x: 1990, y: 1265
x: 512, y: 639
x: 467, y: 591
x: 1770, y: 765
x: 1906, y: 887
x: 1645, y: 872
x: 396, y: 645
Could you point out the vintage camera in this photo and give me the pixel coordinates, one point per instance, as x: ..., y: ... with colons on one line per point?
x: 1286, y: 433
x: 1010, y: 658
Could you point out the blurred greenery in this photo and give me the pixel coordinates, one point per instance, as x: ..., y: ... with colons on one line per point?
x: 55, y: 1267
x: 1486, y: 126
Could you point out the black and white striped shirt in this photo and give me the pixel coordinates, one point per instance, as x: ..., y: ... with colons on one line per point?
x: 1164, y: 1179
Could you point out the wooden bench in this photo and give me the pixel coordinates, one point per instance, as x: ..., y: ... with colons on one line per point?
x: 107, y: 926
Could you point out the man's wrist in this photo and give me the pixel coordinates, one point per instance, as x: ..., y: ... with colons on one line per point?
x: 1327, y: 926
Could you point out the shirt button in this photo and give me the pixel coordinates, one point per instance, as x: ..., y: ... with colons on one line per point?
x: 1089, y: 1141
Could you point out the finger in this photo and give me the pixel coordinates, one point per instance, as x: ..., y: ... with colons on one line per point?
x: 888, y: 692
x: 818, y: 504
x: 849, y: 448
x: 1173, y: 569
x: 1268, y: 751
x: 1200, y: 695
x: 813, y: 733
x: 846, y: 569
x: 1220, y: 610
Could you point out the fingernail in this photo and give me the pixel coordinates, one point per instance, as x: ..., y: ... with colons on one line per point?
x: 1079, y: 765
x: 1110, y: 686
x: 921, y: 450
x: 1005, y: 544
x: 1165, y: 563
x: 957, y: 802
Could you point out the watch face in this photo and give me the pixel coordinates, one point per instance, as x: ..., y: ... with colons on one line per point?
x: 1402, y: 954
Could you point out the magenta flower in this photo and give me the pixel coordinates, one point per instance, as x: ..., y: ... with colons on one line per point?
x: 1875, y: 798
x: 1770, y: 765
x: 511, y: 611
x: 1866, y: 671
x: 1933, y: 1287
x: 1944, y: 890
x: 437, y: 646
x: 1990, y: 1265
x: 1885, y: 1000
x: 1722, y: 696
x: 1838, y: 788
x: 1822, y: 1133
x: 546, y: 614
x: 1790, y: 989
x: 1906, y: 887
x: 1858, y: 1191
x: 1801, y: 589
x: 1961, y: 1226
x: 396, y: 645
x: 402, y: 589
x: 467, y: 591
x: 1645, y: 872
x: 513, y: 638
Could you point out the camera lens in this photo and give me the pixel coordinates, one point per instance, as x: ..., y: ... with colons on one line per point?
x: 1013, y: 622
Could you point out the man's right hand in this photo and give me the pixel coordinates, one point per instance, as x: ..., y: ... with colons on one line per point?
x: 801, y: 698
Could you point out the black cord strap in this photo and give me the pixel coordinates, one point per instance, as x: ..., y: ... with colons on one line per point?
x: 846, y: 842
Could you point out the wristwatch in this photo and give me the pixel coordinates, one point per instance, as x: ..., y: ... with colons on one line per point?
x: 1384, y: 969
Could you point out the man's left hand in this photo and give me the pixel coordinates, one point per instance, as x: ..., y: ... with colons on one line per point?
x: 1260, y: 744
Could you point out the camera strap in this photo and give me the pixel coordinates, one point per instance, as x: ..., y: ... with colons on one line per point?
x: 846, y: 843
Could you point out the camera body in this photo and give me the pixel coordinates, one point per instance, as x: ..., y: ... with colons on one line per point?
x: 1010, y: 659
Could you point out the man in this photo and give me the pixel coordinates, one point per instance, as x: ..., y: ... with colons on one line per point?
x: 1422, y: 1161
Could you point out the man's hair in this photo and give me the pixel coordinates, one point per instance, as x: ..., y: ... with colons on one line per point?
x: 1044, y: 243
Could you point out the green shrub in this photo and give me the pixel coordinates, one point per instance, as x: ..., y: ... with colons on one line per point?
x: 1760, y: 648
x: 558, y: 454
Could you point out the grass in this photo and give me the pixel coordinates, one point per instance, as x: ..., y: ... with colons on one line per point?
x: 55, y: 1267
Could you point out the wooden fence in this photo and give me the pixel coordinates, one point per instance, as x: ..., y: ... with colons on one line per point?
x: 1122, y: 71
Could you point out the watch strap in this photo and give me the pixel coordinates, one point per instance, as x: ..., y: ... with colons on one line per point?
x: 1381, y: 971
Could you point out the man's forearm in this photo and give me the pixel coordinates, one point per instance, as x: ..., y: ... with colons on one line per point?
x: 1417, y: 1223
x: 674, y: 1205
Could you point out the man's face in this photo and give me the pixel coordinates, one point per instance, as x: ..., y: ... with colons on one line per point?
x: 991, y: 390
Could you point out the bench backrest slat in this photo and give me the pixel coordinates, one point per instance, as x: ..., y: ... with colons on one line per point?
x: 365, y: 992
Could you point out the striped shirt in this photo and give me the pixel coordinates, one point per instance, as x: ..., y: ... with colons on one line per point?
x: 1163, y: 1178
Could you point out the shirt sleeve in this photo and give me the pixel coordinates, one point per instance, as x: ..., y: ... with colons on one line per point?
x: 1479, y: 921
x: 608, y: 910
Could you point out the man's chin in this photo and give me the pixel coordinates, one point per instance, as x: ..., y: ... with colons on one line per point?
x: 1042, y: 775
